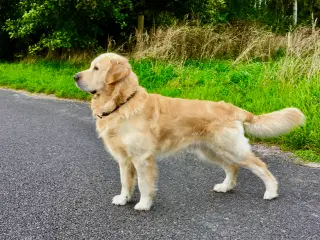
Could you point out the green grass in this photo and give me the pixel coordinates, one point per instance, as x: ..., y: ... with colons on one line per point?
x: 258, y: 87
x: 308, y: 155
x: 42, y: 77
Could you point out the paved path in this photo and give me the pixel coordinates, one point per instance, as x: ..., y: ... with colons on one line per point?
x: 57, y: 182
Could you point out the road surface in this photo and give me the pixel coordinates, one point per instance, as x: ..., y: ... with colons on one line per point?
x: 57, y: 182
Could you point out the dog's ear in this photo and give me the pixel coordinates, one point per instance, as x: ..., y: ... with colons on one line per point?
x: 117, y: 71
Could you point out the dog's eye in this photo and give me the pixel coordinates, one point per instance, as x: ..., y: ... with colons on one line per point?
x: 96, y: 68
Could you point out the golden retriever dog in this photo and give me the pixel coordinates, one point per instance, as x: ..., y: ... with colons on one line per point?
x: 136, y: 127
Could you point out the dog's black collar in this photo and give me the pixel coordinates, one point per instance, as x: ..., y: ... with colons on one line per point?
x: 104, y: 114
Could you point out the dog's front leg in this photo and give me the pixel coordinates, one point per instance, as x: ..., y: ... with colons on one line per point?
x: 147, y: 176
x: 127, y: 175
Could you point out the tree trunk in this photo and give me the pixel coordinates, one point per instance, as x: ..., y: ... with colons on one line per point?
x: 140, y: 24
x: 295, y: 12
x: 140, y: 31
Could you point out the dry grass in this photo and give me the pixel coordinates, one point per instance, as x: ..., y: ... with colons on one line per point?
x: 204, y: 42
x: 239, y: 41
x: 299, y: 50
x: 302, y: 57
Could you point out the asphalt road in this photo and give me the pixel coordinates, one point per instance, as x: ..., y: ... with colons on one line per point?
x: 57, y: 182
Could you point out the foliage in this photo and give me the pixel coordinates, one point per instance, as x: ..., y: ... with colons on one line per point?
x: 67, y: 24
x: 7, y: 45
x: 39, y: 26
x: 81, y: 24
x: 210, y: 11
x: 276, y: 13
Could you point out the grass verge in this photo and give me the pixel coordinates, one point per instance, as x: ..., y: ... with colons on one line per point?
x: 42, y: 77
x: 257, y: 86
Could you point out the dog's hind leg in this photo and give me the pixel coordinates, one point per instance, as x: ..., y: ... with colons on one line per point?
x: 231, y: 169
x: 259, y: 168
x: 234, y: 147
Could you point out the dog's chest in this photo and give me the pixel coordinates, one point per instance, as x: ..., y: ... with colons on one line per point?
x: 131, y: 136
x: 136, y: 139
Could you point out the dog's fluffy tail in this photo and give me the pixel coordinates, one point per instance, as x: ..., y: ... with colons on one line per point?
x: 272, y: 124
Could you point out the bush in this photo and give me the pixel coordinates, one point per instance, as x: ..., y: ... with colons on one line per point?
x: 67, y: 24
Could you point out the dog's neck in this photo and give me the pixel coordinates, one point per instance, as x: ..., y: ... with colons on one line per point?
x: 109, y: 99
x: 107, y: 113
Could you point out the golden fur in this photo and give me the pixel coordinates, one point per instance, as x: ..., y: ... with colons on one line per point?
x: 150, y: 125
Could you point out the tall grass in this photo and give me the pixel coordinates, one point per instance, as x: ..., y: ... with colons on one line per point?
x: 239, y: 42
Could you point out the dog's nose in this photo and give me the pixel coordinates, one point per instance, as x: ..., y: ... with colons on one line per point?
x: 76, y: 77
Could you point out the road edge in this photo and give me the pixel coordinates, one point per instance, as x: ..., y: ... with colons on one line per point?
x: 41, y: 95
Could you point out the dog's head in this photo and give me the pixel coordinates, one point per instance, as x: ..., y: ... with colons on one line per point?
x: 106, y: 69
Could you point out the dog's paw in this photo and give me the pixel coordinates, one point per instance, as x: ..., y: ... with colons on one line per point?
x: 270, y: 195
x: 143, y: 205
x: 221, y: 188
x: 119, y: 200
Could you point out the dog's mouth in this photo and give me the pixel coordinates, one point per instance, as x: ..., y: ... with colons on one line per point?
x: 84, y: 87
